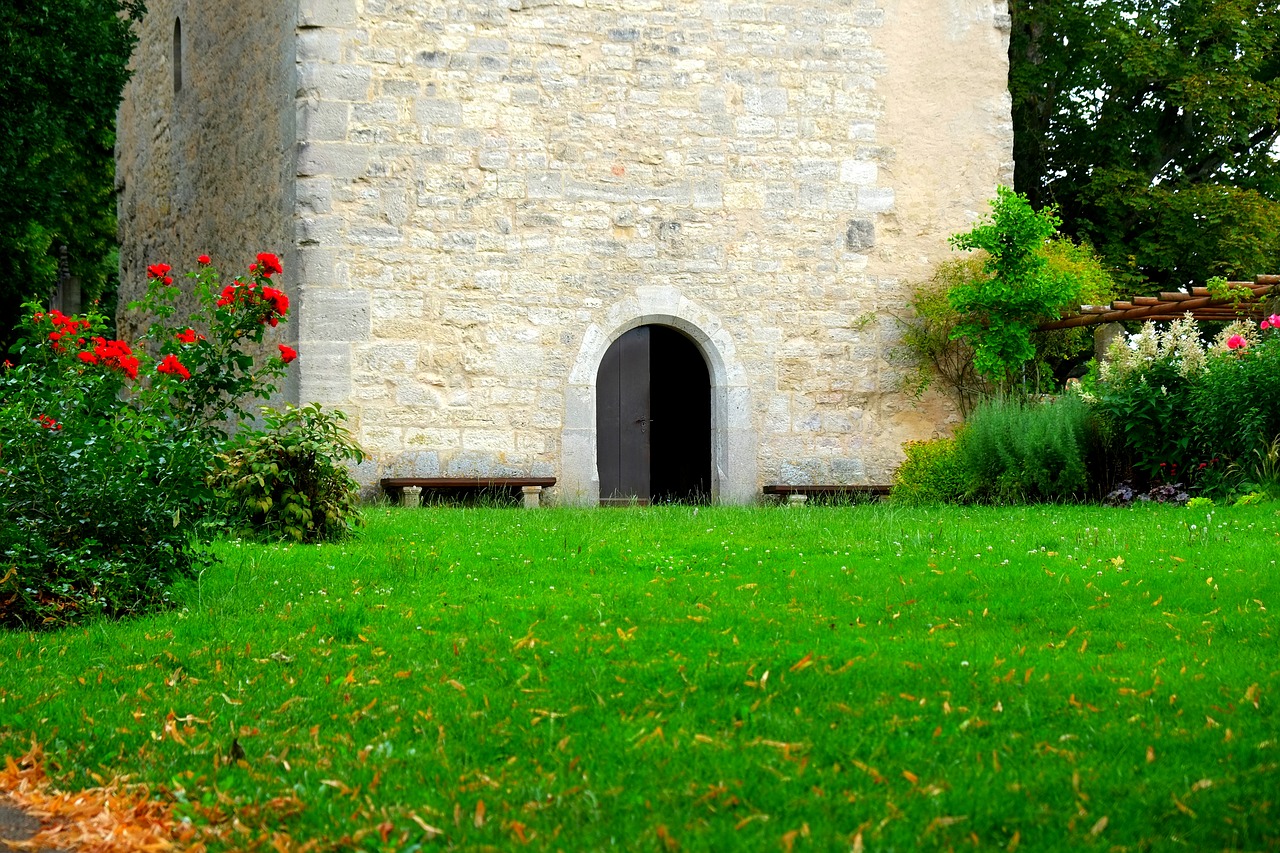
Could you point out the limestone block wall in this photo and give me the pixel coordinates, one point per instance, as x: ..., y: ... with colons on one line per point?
x: 208, y: 168
x: 488, y: 193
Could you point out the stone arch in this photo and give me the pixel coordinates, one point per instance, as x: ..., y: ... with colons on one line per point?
x: 733, y: 444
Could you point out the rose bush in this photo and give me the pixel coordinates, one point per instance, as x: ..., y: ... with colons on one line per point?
x: 107, y: 445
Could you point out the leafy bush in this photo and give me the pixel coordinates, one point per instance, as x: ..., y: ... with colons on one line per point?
x: 934, y: 351
x: 288, y: 481
x: 1022, y: 283
x: 1174, y: 407
x: 1143, y: 396
x: 931, y: 474
x: 965, y: 330
x: 1234, y: 411
x: 106, y: 447
x: 1015, y: 451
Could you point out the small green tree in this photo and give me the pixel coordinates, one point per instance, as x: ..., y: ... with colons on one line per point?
x: 1018, y: 287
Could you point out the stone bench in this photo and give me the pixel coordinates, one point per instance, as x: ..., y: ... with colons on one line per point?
x: 798, y: 495
x: 408, y: 490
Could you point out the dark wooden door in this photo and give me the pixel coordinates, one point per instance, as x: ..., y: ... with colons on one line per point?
x: 623, y: 418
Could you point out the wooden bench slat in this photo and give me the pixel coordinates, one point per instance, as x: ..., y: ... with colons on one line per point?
x: 825, y: 489
x: 389, y: 483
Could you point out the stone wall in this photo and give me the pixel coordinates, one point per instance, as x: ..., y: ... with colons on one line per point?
x: 208, y: 168
x: 488, y: 192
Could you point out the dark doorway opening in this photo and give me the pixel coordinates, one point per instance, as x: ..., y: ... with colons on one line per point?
x: 653, y: 419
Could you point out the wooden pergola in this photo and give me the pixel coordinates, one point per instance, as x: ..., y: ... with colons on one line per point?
x: 1172, y: 306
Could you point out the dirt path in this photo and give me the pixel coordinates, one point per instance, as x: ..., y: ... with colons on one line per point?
x: 17, y: 825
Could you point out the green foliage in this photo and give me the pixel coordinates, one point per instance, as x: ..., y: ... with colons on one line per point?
x: 1014, y: 451
x: 935, y: 351
x: 932, y: 473
x: 65, y: 67
x: 1232, y: 412
x: 1220, y: 288
x: 1146, y: 421
x: 287, y: 481
x: 106, y: 450
x: 929, y: 342
x: 1151, y: 125
x: 1019, y: 286
x: 1176, y: 409
x: 98, y: 495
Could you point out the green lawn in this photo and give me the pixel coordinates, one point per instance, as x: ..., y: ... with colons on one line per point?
x: 718, y: 679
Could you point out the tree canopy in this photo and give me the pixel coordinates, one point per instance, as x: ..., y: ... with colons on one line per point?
x: 65, y: 66
x: 1153, y: 126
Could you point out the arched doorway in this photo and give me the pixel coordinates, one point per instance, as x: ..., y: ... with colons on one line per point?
x: 653, y: 419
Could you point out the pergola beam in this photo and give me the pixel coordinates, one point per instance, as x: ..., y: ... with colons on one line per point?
x: 1171, y: 306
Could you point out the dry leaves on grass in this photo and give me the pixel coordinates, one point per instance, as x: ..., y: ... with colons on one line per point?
x: 113, y: 818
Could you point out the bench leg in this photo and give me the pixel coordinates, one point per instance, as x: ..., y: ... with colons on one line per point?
x: 532, y: 496
x: 797, y: 500
x: 411, y: 496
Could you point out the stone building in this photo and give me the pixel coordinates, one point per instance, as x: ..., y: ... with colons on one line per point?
x: 589, y: 239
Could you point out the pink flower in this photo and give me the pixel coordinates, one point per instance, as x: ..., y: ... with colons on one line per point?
x: 1274, y: 320
x: 1235, y: 342
x: 1264, y: 325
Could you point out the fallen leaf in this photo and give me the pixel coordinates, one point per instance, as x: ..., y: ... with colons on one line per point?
x: 1099, y: 826
x: 478, y: 820
x: 803, y: 663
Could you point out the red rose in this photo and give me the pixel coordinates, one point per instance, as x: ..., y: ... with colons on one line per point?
x: 172, y: 366
x: 270, y: 264
x: 87, y: 357
x: 287, y: 354
x: 204, y: 260
x: 187, y: 336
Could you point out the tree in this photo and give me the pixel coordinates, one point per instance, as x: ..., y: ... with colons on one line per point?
x: 1152, y: 125
x: 65, y: 66
x: 1019, y: 285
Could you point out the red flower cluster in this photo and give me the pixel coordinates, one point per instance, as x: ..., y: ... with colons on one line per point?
x: 287, y: 354
x: 171, y: 365
x: 160, y: 272
x: 62, y: 326
x: 48, y: 422
x: 188, y: 336
x: 268, y: 264
x: 268, y: 303
x: 113, y: 354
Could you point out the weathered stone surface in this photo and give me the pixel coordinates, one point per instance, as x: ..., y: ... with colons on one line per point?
x: 475, y: 198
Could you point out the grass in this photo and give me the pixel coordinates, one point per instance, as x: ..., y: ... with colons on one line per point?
x: 710, y: 679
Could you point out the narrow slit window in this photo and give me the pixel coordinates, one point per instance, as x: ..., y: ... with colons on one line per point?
x: 177, y: 55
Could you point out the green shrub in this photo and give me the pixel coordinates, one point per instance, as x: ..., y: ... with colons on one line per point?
x: 931, y: 474
x: 104, y: 446
x: 1029, y: 274
x: 930, y: 348
x: 288, y: 481
x: 963, y: 317
x: 1176, y: 409
x: 1234, y: 410
x: 1014, y: 451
